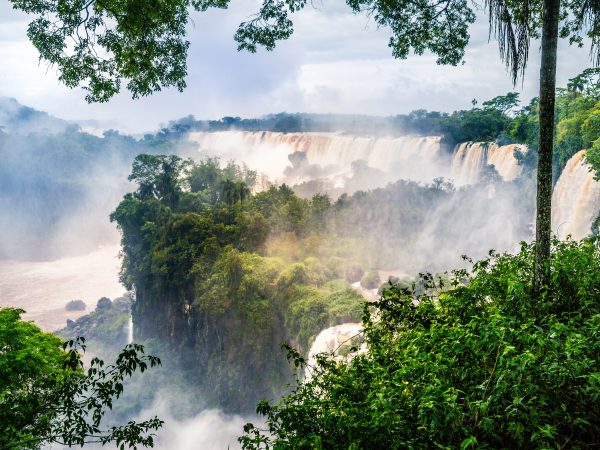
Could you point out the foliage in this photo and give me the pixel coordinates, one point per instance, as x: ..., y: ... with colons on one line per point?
x: 576, y: 111
x: 317, y: 308
x: 144, y: 43
x: 46, y: 395
x: 104, y: 329
x: 504, y: 103
x: 370, y: 280
x: 481, y: 362
x: 158, y: 176
x: 205, y: 285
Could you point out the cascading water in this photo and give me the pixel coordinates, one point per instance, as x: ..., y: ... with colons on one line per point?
x: 330, y: 341
x: 471, y: 157
x: 130, y: 330
x: 467, y: 163
x: 327, y: 155
x: 503, y: 159
x: 575, y: 200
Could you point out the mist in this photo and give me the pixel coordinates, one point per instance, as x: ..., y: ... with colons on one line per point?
x: 467, y: 207
x: 401, y: 204
x: 211, y: 429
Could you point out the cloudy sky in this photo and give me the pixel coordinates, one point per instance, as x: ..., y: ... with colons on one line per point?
x: 335, y: 62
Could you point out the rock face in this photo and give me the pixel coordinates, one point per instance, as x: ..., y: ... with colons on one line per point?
x: 106, y: 327
x: 75, y: 305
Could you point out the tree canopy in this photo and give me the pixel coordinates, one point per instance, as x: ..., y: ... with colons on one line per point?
x: 102, y: 44
x: 46, y: 395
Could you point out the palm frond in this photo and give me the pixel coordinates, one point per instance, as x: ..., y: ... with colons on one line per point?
x: 510, y: 23
x: 590, y: 17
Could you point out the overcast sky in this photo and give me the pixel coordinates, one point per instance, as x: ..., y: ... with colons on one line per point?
x: 335, y: 62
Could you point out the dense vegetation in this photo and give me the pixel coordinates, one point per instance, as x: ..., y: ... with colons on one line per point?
x: 46, y: 396
x: 195, y: 243
x: 105, y: 329
x: 479, y: 362
x: 223, y: 275
x: 577, y: 118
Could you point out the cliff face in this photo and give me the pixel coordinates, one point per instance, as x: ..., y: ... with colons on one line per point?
x: 224, y: 329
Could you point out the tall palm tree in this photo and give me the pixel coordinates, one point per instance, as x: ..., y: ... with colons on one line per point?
x: 514, y: 23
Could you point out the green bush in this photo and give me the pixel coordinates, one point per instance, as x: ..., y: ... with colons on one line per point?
x: 370, y: 280
x: 482, y: 363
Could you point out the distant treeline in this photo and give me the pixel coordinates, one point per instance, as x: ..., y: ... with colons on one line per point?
x: 477, y: 124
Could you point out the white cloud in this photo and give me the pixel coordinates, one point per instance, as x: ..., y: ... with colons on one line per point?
x: 335, y: 62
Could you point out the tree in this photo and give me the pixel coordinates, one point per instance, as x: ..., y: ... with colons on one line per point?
x: 142, y: 41
x: 505, y: 103
x: 234, y: 191
x: 47, y: 397
x: 587, y: 82
x: 159, y: 176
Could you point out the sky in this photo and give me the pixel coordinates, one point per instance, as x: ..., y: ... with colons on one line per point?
x: 336, y: 62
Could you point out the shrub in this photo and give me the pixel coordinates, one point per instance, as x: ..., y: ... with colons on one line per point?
x: 103, y: 303
x: 370, y: 280
x: 477, y: 363
x: 354, y: 273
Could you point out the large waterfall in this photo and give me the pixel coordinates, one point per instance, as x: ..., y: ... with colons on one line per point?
x: 576, y: 199
x: 470, y: 158
x: 298, y: 157
x: 348, y: 163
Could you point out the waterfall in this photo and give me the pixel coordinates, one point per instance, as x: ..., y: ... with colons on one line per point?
x: 329, y: 156
x: 503, y: 159
x: 130, y: 330
x: 471, y: 157
x: 575, y: 200
x: 467, y: 163
x: 370, y: 295
x: 330, y: 341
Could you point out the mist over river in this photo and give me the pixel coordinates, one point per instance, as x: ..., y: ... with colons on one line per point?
x: 43, y: 288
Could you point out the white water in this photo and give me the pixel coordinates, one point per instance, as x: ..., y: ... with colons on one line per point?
x: 471, y: 157
x: 575, y: 200
x: 330, y: 341
x: 327, y: 155
x: 43, y: 288
x: 130, y: 330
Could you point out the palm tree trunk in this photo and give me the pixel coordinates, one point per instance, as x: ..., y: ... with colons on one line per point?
x: 544, y: 172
